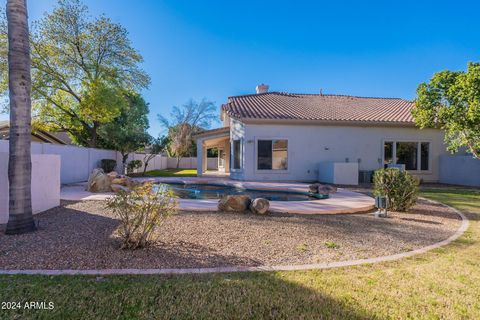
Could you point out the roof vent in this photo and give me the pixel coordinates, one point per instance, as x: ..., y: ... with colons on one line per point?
x: 262, y: 88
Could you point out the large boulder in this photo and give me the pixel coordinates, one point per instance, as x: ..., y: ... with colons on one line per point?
x: 326, y: 189
x: 117, y: 188
x: 259, y: 206
x: 237, y: 203
x: 98, y: 181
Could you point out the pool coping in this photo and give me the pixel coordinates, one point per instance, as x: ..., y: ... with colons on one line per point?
x: 342, y: 202
x: 348, y: 263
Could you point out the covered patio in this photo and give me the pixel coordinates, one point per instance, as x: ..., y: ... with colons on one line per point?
x: 214, y: 139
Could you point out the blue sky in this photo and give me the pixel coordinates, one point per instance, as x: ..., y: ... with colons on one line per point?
x: 215, y: 49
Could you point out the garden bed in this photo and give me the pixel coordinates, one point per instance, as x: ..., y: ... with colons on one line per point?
x: 80, y: 235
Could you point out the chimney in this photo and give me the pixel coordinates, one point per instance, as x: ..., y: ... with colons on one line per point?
x: 262, y: 88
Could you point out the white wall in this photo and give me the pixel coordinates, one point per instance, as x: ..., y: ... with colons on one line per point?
x: 460, y: 169
x: 309, y: 145
x: 45, y: 183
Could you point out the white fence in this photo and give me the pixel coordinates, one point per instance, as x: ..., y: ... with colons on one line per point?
x: 461, y: 170
x: 78, y: 162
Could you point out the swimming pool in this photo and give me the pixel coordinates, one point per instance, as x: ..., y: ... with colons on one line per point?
x: 212, y: 191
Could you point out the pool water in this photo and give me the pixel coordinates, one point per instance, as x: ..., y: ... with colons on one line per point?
x: 210, y: 191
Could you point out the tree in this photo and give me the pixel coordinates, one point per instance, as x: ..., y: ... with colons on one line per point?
x: 127, y: 132
x: 3, y: 55
x: 186, y: 121
x: 451, y: 101
x: 19, y: 161
x: 151, y: 151
x: 81, y: 67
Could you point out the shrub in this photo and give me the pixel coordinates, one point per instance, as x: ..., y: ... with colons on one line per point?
x: 108, y: 165
x: 141, y: 212
x: 400, y: 188
x: 134, y: 164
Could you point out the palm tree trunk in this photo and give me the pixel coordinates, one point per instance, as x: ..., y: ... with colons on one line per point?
x: 19, y: 162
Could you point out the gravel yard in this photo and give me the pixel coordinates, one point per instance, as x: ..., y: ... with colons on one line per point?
x: 80, y: 235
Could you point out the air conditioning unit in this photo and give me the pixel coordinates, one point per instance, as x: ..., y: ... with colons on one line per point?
x: 365, y: 176
x: 400, y: 167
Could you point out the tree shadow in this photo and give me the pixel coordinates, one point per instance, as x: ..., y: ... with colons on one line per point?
x: 253, y: 295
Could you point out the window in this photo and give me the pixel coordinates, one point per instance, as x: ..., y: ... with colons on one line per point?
x: 414, y: 155
x: 407, y: 155
x: 236, y: 154
x: 272, y: 155
x: 424, y: 151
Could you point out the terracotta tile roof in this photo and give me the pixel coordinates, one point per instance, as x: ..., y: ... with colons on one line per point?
x: 318, y: 107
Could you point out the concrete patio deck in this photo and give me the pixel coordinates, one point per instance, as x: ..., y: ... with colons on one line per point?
x: 342, y: 202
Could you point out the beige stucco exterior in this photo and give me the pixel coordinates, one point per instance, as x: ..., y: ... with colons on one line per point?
x: 310, y: 144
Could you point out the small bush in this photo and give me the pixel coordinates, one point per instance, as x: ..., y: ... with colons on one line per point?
x: 400, y: 188
x: 134, y: 164
x: 108, y: 165
x: 141, y: 212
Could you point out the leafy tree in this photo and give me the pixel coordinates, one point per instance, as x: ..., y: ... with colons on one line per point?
x: 451, y: 101
x: 20, y: 219
x: 186, y: 121
x: 127, y: 132
x: 81, y: 69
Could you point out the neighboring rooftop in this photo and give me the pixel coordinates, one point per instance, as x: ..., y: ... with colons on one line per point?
x: 319, y: 107
x: 37, y: 135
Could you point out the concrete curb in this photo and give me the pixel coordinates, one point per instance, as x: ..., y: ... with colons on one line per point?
x: 463, y: 227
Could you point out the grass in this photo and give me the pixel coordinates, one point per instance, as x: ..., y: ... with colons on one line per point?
x: 441, y: 284
x: 331, y: 245
x: 172, y: 173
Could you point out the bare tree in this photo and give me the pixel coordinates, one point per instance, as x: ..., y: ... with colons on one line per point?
x: 19, y: 162
x: 186, y: 121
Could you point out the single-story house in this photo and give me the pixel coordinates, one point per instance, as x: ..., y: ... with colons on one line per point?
x: 283, y: 136
x: 37, y: 135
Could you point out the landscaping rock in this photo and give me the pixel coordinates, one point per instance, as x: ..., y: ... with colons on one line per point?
x: 117, y: 188
x: 326, y: 189
x: 98, y: 181
x: 259, y: 206
x: 121, y: 181
x: 313, y: 188
x: 238, y: 203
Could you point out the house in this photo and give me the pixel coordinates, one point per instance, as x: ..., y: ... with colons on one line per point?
x: 287, y: 137
x: 37, y: 135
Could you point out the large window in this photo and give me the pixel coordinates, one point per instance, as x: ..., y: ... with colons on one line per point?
x: 272, y: 155
x: 414, y: 155
x: 407, y: 155
x: 237, y: 153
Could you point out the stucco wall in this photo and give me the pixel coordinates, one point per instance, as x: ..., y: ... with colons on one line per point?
x: 461, y: 170
x: 45, y: 183
x: 309, y: 145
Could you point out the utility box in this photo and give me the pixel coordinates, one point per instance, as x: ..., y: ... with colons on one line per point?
x: 338, y: 172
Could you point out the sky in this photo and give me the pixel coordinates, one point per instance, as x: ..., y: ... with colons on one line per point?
x: 216, y: 49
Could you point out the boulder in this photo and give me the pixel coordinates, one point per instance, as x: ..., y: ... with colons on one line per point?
x: 121, y: 181
x: 313, y: 188
x: 98, y: 181
x: 113, y: 174
x: 237, y: 203
x: 117, y: 188
x: 259, y: 206
x: 326, y: 189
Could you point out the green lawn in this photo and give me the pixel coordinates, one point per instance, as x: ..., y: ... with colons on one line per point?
x: 442, y: 284
x: 172, y: 173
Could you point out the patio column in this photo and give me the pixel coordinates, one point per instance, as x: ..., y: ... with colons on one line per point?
x: 201, y: 157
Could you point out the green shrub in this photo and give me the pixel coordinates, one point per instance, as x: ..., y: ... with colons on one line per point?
x: 141, y: 212
x: 108, y: 165
x: 400, y: 188
x: 134, y: 164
